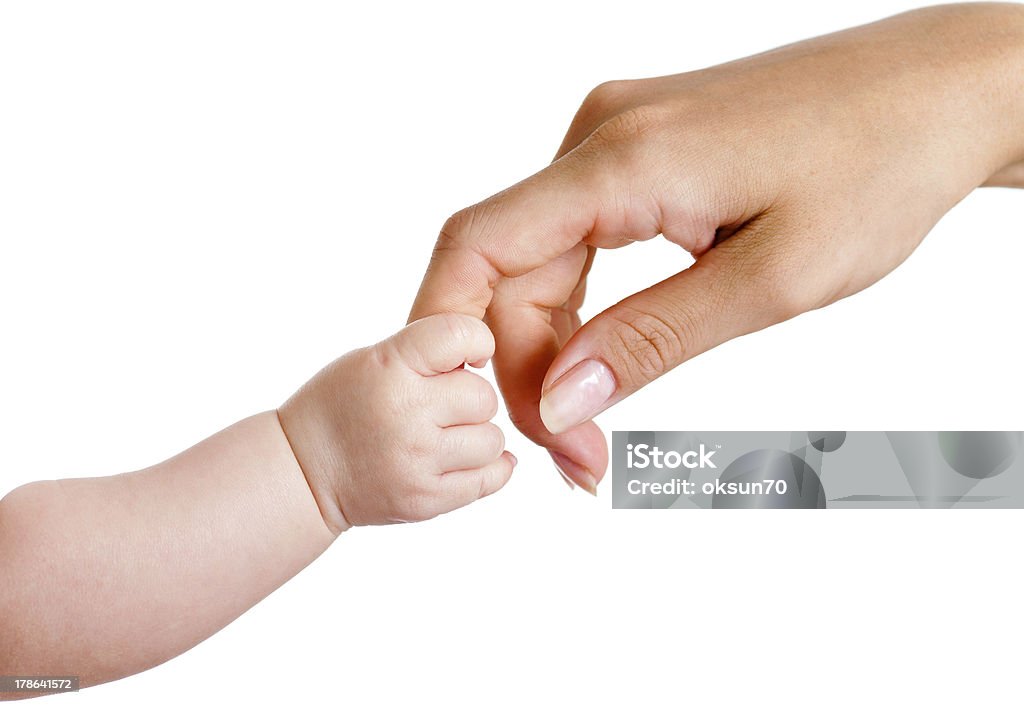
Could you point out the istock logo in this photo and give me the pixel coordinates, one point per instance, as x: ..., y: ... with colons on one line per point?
x: 641, y: 456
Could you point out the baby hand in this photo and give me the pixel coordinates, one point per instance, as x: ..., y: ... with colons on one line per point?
x: 398, y: 432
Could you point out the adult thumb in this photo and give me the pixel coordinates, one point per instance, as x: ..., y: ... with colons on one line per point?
x: 742, y: 285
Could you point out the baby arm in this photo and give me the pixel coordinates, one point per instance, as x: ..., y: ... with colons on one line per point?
x: 105, y: 577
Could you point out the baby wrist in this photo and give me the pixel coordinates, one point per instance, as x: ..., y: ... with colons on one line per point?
x: 315, y: 460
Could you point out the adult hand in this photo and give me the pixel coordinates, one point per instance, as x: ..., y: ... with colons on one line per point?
x: 795, y: 178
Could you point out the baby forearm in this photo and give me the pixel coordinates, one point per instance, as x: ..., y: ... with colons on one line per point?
x: 105, y: 577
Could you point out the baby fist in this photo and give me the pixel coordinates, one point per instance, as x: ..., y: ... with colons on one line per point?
x: 399, y: 432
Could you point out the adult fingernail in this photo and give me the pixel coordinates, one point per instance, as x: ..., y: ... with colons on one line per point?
x: 577, y: 396
x: 575, y: 472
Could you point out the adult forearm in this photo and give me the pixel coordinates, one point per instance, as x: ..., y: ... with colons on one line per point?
x: 1001, y: 39
x: 1012, y: 176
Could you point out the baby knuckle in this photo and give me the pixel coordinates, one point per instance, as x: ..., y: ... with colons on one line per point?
x: 384, y: 355
x: 482, y: 488
x: 487, y: 400
x: 460, y: 328
x: 421, y: 447
x: 474, y: 395
x: 493, y: 440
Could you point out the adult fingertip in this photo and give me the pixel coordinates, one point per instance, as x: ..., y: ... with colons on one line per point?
x: 580, y: 475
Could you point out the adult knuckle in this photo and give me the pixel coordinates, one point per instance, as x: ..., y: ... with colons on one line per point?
x: 605, y: 97
x: 466, y: 237
x: 632, y: 127
x: 455, y: 226
x: 648, y: 344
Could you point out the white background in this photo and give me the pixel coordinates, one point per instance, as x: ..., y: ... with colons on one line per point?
x: 201, y: 203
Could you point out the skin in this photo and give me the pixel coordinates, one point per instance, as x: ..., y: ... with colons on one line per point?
x: 762, y: 168
x: 105, y: 577
x: 795, y: 177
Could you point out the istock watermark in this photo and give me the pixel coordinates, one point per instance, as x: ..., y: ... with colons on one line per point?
x: 817, y: 469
